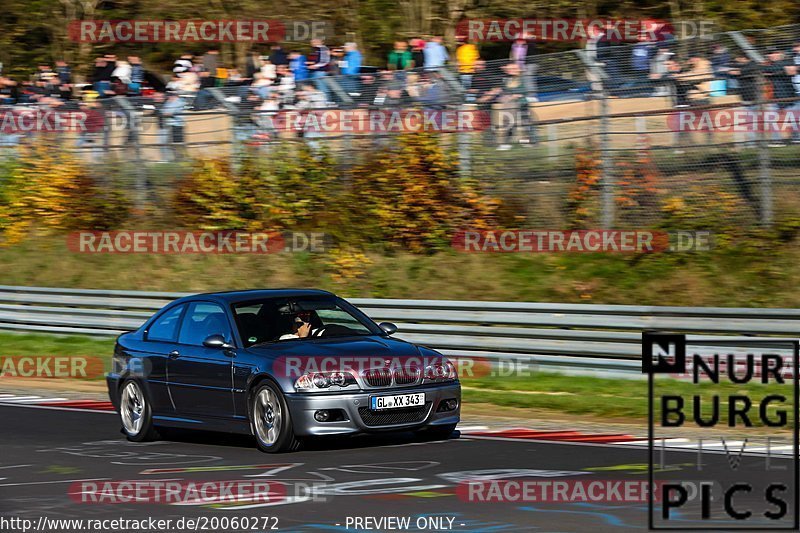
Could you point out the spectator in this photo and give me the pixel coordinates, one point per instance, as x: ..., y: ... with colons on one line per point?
x: 90, y: 136
x: 268, y: 69
x: 286, y: 85
x: 720, y: 61
x: 122, y: 71
x: 482, y: 82
x: 369, y: 89
x: 417, y: 53
x: 746, y: 74
x: 172, y: 111
x: 9, y: 91
x: 687, y: 78
x: 162, y: 134
x: 189, y: 82
x: 297, y: 64
x: 780, y: 71
x: 101, y: 77
x: 466, y: 56
x: 310, y: 98
x: 642, y: 55
x: 183, y: 64
x: 796, y: 61
x: 399, y: 58
x: 435, y: 54
x: 519, y: 52
x: 350, y: 69
x: 608, y: 55
x: 43, y: 71
x: 137, y: 75
x: 64, y: 72
x: 252, y: 65
x: 211, y: 61
x: 118, y: 86
x: 720, y: 67
x: 516, y: 108
x: 434, y: 92
x: 211, y: 65
x: 658, y: 70
x: 277, y: 56
x: 318, y: 64
x: 261, y: 85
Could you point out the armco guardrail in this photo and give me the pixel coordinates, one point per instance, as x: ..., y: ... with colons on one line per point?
x: 579, y: 338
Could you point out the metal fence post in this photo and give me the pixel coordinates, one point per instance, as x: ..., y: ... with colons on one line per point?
x: 599, y: 79
x: 133, y: 128
x: 607, y: 165
x: 764, y: 164
x: 235, y: 114
x: 552, y: 141
x: 464, y: 149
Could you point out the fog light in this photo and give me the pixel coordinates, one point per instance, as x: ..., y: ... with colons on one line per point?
x: 448, y: 405
x: 322, y: 415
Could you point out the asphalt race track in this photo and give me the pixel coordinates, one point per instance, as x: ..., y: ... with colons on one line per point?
x: 44, y: 451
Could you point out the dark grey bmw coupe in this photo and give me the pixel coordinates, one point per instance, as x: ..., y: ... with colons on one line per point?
x: 281, y: 365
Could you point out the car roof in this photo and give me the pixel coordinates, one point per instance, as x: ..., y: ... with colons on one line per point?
x: 232, y: 297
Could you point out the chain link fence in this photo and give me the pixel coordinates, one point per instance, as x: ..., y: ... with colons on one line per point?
x: 623, y: 134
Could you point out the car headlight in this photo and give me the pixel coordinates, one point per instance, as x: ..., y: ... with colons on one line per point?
x: 314, y: 381
x: 440, y: 371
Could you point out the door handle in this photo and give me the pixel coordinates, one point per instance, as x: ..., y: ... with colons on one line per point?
x: 173, y: 354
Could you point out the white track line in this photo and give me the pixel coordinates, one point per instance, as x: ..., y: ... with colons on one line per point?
x: 30, y: 400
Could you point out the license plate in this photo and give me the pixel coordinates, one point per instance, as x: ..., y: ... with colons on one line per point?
x: 398, y: 400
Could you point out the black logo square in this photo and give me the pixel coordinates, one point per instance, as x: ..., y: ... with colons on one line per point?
x: 663, y: 353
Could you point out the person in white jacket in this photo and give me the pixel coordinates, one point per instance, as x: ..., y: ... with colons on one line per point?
x: 123, y: 72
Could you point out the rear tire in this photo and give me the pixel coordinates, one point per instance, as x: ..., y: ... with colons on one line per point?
x: 270, y: 420
x: 136, y: 413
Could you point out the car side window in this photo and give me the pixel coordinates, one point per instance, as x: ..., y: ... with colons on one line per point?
x: 201, y: 320
x: 165, y: 327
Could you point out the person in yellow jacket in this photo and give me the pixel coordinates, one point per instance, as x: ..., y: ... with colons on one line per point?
x: 466, y: 56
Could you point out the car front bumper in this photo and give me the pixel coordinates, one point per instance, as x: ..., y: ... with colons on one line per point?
x: 360, y: 419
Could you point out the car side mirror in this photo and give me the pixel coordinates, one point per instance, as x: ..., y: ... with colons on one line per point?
x: 217, y: 341
x: 388, y: 327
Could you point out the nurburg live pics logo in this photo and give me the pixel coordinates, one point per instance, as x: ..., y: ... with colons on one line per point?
x: 746, y: 492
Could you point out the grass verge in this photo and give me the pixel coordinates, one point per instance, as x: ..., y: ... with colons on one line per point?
x: 580, y: 396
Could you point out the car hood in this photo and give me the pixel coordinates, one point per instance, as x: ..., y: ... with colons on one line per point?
x: 352, y: 347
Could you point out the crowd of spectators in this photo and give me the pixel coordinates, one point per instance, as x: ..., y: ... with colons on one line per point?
x: 417, y: 72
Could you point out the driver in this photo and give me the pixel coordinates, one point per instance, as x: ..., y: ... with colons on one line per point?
x: 302, y: 328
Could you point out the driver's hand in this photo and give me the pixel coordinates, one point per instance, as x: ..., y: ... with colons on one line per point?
x: 304, y: 330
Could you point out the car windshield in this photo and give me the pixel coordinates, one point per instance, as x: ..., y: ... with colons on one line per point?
x: 303, y: 318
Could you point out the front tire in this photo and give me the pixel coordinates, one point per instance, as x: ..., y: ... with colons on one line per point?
x: 271, y: 421
x: 136, y: 413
